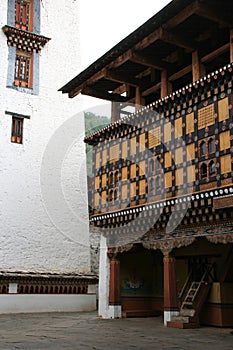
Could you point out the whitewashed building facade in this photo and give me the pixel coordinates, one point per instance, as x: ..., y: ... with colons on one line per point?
x: 44, y: 234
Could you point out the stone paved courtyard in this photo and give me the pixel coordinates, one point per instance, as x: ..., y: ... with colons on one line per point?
x: 87, y: 331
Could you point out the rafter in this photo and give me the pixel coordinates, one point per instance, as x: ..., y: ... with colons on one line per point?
x: 89, y: 91
x: 209, y: 13
x: 148, y: 61
x: 172, y: 38
x: 120, y: 78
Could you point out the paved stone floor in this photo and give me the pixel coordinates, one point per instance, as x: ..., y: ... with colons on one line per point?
x: 86, y: 331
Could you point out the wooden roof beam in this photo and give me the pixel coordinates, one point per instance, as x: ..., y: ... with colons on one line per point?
x: 182, y: 15
x: 148, y: 61
x: 152, y: 89
x: 120, y: 78
x: 209, y: 13
x: 89, y: 91
x: 172, y: 38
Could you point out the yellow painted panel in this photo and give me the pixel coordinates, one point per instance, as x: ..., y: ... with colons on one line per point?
x: 190, y: 151
x: 190, y: 123
x: 168, y: 179
x: 132, y: 171
x: 142, y: 186
x: 167, y: 132
x: 179, y: 155
x: 104, y: 180
x: 133, y: 146
x: 154, y: 137
x: 191, y: 175
x: 124, y: 149
x: 97, y: 182
x: 179, y: 177
x: 167, y: 159
x: 97, y: 160
x: 142, y: 167
x: 124, y: 172
x: 132, y: 189
x: 114, y: 153
x: 104, y: 157
x: 225, y: 163
x: 206, y: 116
x: 96, y: 199
x: 142, y: 140
x: 178, y: 127
x: 223, y: 110
x: 124, y: 192
x: 224, y: 140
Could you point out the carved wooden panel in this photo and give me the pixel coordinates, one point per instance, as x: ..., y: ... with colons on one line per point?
x: 114, y: 153
x: 104, y: 157
x: 97, y: 182
x: 97, y: 160
x: 154, y: 137
x: 206, y: 116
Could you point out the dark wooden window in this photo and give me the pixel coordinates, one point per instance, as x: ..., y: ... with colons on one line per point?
x: 17, y: 130
x: 23, y: 70
x: 211, y: 147
x: 203, y: 171
x: 23, y: 14
x: 212, y: 168
x: 203, y: 149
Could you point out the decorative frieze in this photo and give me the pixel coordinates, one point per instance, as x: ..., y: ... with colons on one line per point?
x: 24, y: 40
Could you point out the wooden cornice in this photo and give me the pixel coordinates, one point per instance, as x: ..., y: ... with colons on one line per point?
x: 24, y: 40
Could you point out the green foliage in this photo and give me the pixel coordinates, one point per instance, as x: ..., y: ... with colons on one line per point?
x: 93, y: 123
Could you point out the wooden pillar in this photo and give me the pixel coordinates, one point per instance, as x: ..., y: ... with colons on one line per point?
x: 137, y: 98
x: 170, y: 295
x: 231, y: 45
x: 114, y: 287
x: 166, y: 86
x: 115, y: 114
x: 198, y: 68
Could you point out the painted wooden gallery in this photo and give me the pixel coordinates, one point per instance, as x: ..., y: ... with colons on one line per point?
x: 162, y: 189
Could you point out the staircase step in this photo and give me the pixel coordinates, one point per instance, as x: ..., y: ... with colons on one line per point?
x: 187, y: 312
x: 183, y: 319
x: 182, y: 325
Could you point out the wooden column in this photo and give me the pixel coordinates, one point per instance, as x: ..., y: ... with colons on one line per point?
x: 114, y: 287
x: 115, y: 114
x: 231, y: 45
x: 170, y: 295
x: 198, y: 68
x: 137, y: 98
x: 166, y: 86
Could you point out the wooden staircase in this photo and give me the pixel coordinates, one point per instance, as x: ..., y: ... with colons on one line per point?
x: 192, y: 302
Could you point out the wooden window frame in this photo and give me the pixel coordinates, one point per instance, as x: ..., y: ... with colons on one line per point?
x: 23, y: 74
x: 17, y: 130
x: 24, y: 14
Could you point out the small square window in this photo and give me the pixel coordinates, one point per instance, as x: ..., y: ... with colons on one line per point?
x: 17, y: 130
